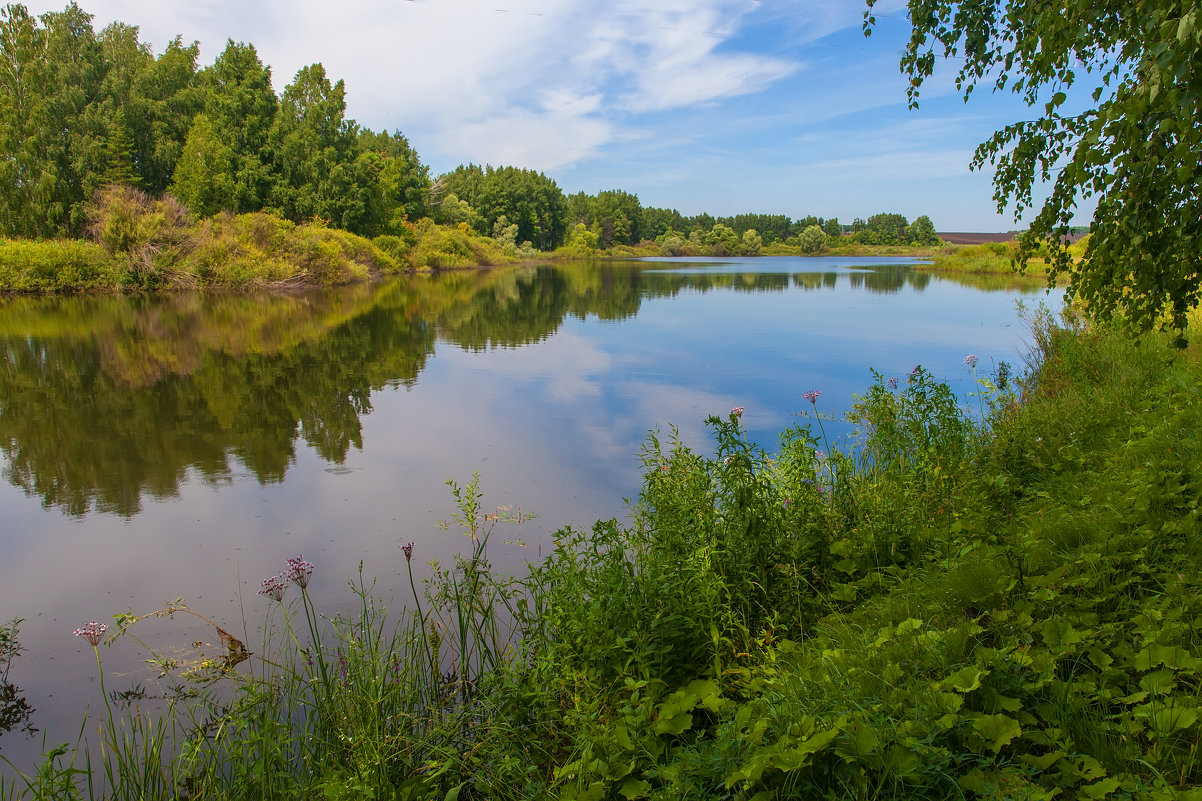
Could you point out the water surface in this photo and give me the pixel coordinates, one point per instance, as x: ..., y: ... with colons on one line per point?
x: 159, y: 447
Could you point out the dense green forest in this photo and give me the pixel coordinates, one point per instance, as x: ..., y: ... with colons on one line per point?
x: 83, y: 110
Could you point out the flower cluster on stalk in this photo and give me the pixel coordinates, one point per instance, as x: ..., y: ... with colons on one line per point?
x: 299, y: 570
x: 737, y: 411
x: 812, y: 396
x: 971, y: 360
x: 92, y: 632
x: 408, y: 549
x: 274, y: 587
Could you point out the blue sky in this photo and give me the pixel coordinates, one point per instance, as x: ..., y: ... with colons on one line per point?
x: 724, y: 106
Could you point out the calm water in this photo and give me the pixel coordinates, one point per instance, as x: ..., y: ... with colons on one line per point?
x: 154, y: 448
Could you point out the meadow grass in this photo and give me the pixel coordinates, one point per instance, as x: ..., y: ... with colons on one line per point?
x: 985, y: 597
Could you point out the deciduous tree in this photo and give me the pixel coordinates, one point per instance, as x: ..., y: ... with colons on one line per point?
x: 1132, y: 146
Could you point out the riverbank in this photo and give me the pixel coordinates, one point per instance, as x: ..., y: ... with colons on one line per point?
x: 986, y: 600
x: 138, y: 244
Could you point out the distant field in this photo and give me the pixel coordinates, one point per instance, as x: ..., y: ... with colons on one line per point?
x: 961, y: 238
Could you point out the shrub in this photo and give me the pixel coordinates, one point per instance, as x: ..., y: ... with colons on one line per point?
x: 59, y: 266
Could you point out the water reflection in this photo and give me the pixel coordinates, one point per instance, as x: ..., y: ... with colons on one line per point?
x: 106, y: 401
x: 184, y: 446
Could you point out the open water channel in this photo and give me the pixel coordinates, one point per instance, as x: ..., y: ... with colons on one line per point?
x: 183, y: 446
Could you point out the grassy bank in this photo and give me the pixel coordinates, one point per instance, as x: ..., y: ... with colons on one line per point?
x: 991, y: 257
x: 139, y: 243
x: 991, y: 599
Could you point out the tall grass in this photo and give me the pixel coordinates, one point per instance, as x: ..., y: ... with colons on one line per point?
x: 984, y: 597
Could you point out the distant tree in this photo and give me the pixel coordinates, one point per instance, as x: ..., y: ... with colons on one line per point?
x: 671, y: 244
x: 402, y: 182
x: 314, y: 151
x: 811, y: 239
x: 203, y: 178
x: 241, y: 107
x: 657, y: 222
x: 617, y: 217
x: 922, y: 232
x: 453, y: 211
x: 884, y: 229
x: 832, y: 228
x: 751, y: 243
x: 528, y: 199
x: 582, y: 240
x: 723, y: 239
x: 165, y: 97
x: 703, y: 222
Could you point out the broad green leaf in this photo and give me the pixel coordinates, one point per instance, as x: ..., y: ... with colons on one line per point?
x: 966, y: 679
x: 1168, y: 719
x: 997, y: 729
x: 634, y: 788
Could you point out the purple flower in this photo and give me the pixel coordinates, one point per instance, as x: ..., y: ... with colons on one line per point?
x: 274, y: 587
x: 408, y: 549
x: 92, y: 632
x: 299, y: 571
x: 891, y: 383
x: 737, y: 411
x: 812, y: 396
x: 916, y: 370
x: 970, y: 360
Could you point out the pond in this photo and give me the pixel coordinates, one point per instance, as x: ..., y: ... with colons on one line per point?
x: 185, y: 445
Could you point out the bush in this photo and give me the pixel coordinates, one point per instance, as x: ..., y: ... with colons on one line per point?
x: 151, y: 233
x: 59, y: 266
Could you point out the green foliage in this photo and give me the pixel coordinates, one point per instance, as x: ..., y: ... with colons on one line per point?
x: 723, y: 240
x: 403, y: 181
x: 314, y: 151
x: 151, y: 235
x: 58, y: 266
x: 444, y: 247
x: 205, y: 178
x: 811, y: 240
x: 241, y: 107
x: 525, y: 198
x: 986, y: 599
x: 751, y: 244
x: 922, y: 232
x: 1133, y: 146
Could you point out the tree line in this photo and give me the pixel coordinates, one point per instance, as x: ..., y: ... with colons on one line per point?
x: 81, y: 110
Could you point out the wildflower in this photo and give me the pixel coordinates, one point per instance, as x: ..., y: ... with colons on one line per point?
x: 891, y: 383
x: 408, y: 549
x: 274, y: 587
x: 916, y: 370
x: 663, y: 468
x: 971, y: 360
x: 811, y: 396
x: 737, y: 411
x: 788, y: 503
x: 92, y: 632
x: 728, y: 460
x: 299, y: 571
